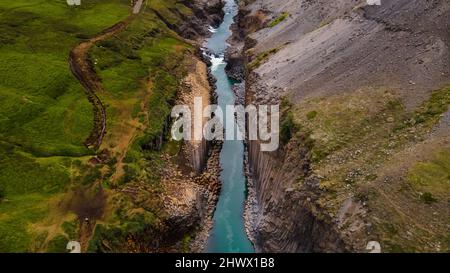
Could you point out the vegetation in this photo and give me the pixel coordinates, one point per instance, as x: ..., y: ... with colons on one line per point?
x: 70, y: 228
x: 279, y: 19
x: 141, y: 69
x: 17, y: 215
x: 46, y: 112
x: 428, y: 198
x: 132, y: 224
x: 58, y: 244
x: 362, y: 145
x: 287, y: 128
x: 2, y: 192
x: 432, y: 177
x: 261, y: 58
x: 447, y: 241
x: 186, y: 242
x: 311, y: 115
x: 45, y: 116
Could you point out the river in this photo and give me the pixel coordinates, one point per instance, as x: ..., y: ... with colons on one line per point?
x: 228, y: 233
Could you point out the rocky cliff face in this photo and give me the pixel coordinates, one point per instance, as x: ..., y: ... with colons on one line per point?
x: 284, y: 217
x: 191, y: 183
x: 196, y: 85
x: 360, y: 82
x: 206, y: 13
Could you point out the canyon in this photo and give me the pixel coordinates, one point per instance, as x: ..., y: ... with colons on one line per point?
x: 364, y: 96
x: 364, y: 92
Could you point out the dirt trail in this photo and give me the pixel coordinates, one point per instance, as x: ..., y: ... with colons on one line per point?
x: 83, y: 69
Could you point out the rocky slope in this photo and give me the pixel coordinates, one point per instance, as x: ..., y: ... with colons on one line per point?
x: 365, y: 132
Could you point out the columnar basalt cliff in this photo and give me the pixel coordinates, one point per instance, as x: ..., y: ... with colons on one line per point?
x: 285, y: 217
x: 357, y: 85
x: 196, y: 85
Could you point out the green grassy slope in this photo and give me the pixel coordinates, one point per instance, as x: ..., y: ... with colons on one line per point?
x: 141, y: 68
x: 46, y: 179
x: 44, y: 115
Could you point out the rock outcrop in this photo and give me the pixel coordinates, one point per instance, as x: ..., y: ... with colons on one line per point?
x: 206, y: 13
x: 196, y: 85
x: 284, y: 217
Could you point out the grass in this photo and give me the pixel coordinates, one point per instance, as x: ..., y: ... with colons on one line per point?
x: 125, y: 63
x: 142, y: 64
x: 2, y: 192
x: 22, y: 173
x: 186, y: 242
x: 16, y: 216
x: 428, y: 198
x: 166, y: 10
x: 436, y: 105
x: 279, y: 19
x: 134, y: 223
x: 70, y: 228
x: 44, y: 114
x: 432, y: 177
x: 172, y: 147
x: 332, y: 126
x: 261, y: 58
x: 379, y: 118
x: 58, y: 244
x: 311, y: 115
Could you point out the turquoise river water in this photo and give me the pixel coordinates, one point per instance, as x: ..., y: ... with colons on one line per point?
x: 228, y: 233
